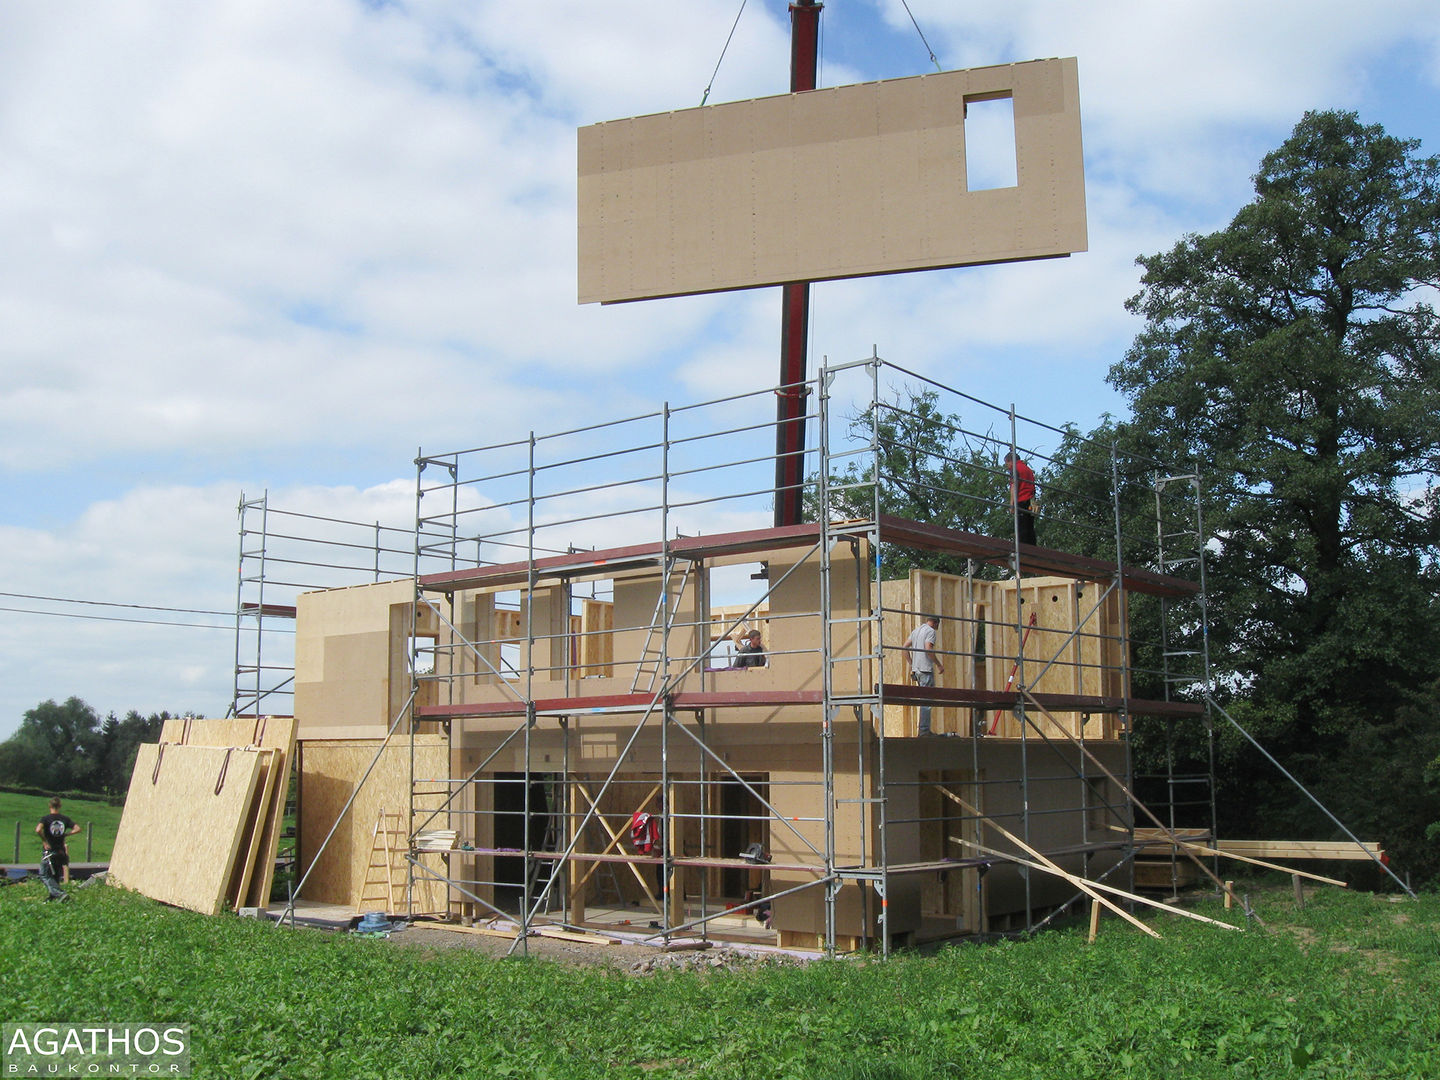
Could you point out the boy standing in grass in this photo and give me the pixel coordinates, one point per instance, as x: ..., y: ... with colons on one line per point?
x: 53, y: 828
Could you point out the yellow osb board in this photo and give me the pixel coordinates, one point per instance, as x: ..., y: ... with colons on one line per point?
x: 597, y: 637
x: 179, y: 837
x: 961, y: 604
x: 330, y: 769
x: 256, y: 872
x: 1073, y: 647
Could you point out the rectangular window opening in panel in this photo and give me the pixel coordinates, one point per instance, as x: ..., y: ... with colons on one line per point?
x: 990, y: 141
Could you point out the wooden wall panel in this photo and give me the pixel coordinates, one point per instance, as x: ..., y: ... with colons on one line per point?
x: 597, y: 638
x: 350, y: 662
x: 880, y: 168
x: 276, y: 733
x: 179, y: 836
x: 1057, y: 658
x: 329, y: 773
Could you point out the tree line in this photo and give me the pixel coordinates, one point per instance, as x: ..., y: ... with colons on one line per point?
x: 68, y: 747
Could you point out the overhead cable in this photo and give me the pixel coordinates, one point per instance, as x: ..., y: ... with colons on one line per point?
x: 922, y: 35
x: 109, y: 603
x: 706, y: 96
x: 143, y: 622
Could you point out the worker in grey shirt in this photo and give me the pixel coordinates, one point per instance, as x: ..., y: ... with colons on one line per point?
x: 924, y: 662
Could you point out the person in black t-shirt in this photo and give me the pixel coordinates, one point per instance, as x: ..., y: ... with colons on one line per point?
x: 53, y: 828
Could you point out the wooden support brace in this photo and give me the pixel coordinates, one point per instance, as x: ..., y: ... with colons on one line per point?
x: 1111, y: 889
x: 1124, y: 788
x: 1204, y: 849
x: 616, y: 839
x: 1080, y: 883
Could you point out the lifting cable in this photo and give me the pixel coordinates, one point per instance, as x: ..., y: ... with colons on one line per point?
x: 931, y: 51
x: 706, y: 95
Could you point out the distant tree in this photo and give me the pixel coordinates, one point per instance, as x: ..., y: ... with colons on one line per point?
x: 122, y: 744
x: 57, y: 746
x: 66, y: 747
x: 1296, y: 356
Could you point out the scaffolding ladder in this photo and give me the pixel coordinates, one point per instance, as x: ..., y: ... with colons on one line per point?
x: 667, y: 604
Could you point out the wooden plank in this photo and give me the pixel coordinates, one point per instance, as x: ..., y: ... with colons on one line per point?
x: 482, y: 931
x: 1201, y: 849
x: 569, y: 935
x: 187, y: 864
x: 252, y: 835
x: 330, y: 771
x: 1079, y: 882
x: 1111, y: 889
x: 1342, y: 850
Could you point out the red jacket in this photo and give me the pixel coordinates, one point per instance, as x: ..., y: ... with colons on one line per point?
x: 1022, y: 482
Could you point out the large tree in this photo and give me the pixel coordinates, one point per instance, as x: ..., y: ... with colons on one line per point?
x: 1294, y: 356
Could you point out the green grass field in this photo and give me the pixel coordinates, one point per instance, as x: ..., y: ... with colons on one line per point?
x: 29, y: 809
x: 1345, y: 988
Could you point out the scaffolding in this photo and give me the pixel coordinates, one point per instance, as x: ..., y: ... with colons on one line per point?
x: 576, y: 690
x: 282, y: 554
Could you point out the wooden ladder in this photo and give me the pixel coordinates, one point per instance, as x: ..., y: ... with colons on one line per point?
x: 380, y: 883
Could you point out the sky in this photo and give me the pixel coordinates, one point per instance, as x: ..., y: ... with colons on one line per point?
x: 259, y: 247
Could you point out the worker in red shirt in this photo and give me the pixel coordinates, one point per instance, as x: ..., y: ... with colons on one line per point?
x: 1022, y: 494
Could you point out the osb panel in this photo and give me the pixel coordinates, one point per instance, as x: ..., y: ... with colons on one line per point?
x: 960, y: 603
x: 879, y: 170
x: 329, y: 772
x: 252, y: 836
x: 799, y: 798
x: 597, y: 638
x: 349, y: 660
x: 1057, y: 660
x: 188, y: 864
x: 262, y: 845
x: 955, y: 893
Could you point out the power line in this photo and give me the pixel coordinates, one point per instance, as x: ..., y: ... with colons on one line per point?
x: 108, y: 603
x: 143, y: 622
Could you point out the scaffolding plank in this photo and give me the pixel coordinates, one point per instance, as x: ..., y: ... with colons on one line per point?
x: 902, y: 692
x: 616, y: 559
x: 1033, y: 559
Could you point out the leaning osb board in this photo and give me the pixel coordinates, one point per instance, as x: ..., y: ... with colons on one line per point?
x: 261, y: 846
x: 179, y: 836
x: 330, y: 769
x: 834, y: 183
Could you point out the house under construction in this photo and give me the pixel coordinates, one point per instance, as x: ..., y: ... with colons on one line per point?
x: 476, y: 739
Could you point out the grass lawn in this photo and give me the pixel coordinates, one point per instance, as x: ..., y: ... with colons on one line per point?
x: 1347, y: 987
x: 29, y: 809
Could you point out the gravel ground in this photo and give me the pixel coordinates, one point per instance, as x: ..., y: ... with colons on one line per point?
x: 633, y: 958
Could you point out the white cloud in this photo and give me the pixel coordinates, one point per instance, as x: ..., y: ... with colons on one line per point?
x: 254, y: 242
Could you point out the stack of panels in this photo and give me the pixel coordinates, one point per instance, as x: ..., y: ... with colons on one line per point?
x: 203, y: 817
